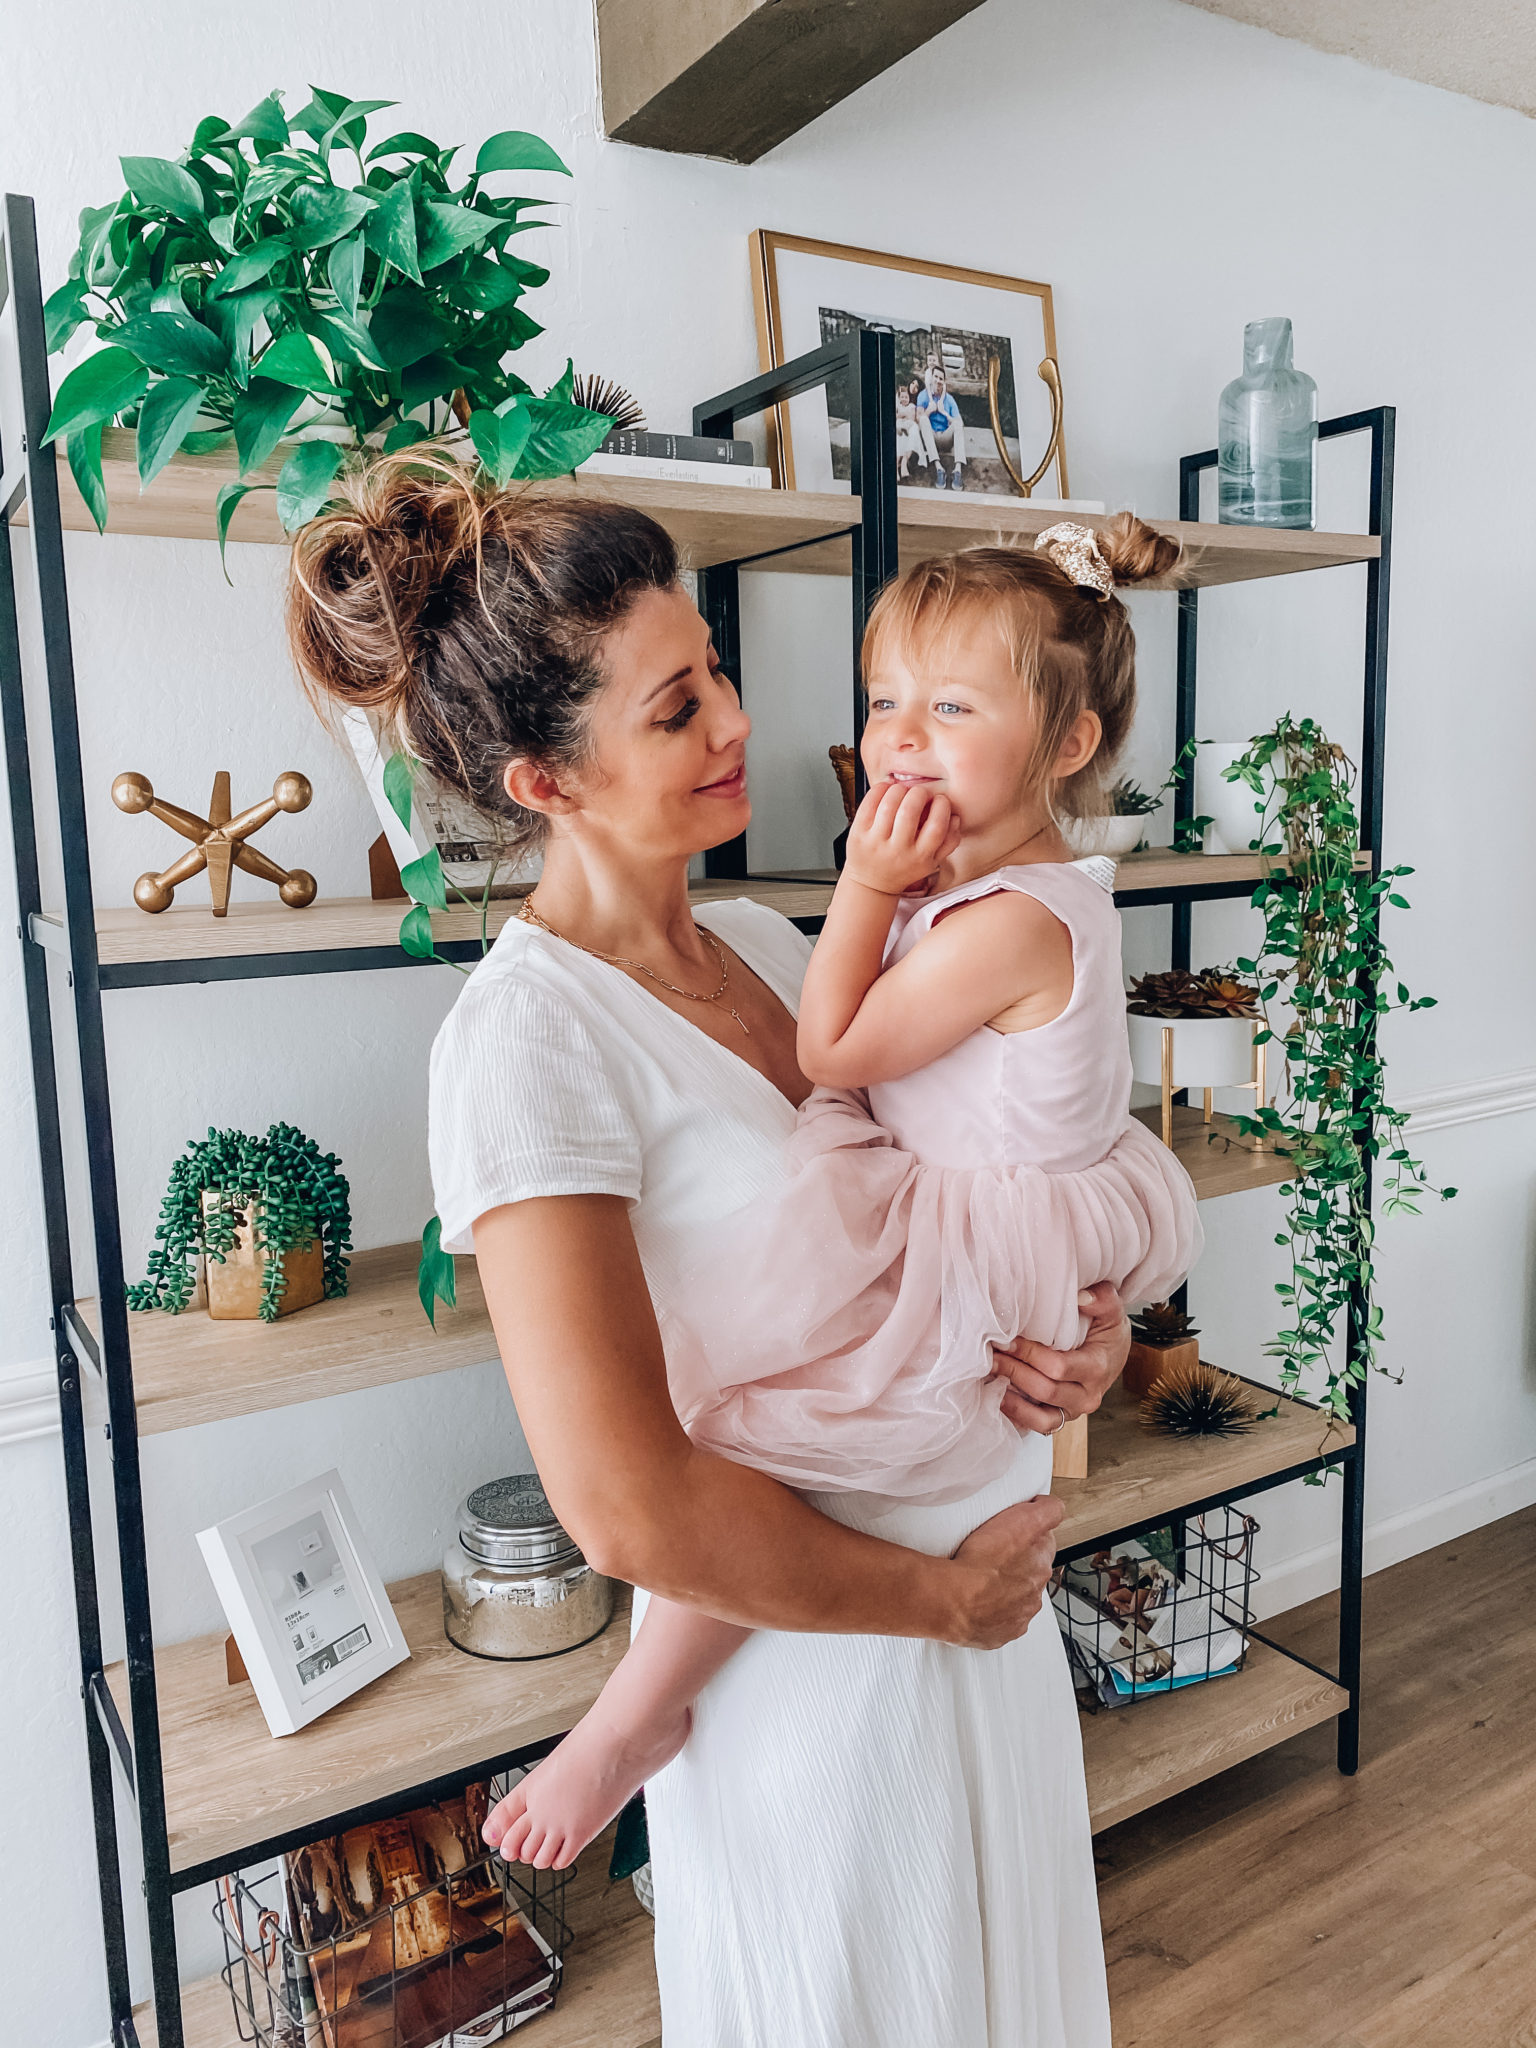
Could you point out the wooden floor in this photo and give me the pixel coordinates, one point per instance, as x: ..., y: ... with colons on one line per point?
x: 1282, y: 1906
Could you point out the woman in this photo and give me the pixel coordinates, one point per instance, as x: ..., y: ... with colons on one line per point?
x: 914, y: 443
x: 875, y: 1836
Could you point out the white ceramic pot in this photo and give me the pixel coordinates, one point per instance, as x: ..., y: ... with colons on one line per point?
x: 1232, y: 807
x: 1113, y: 836
x: 1208, y: 1052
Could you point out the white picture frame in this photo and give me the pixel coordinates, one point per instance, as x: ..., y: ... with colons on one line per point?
x: 467, y: 840
x: 310, y: 1616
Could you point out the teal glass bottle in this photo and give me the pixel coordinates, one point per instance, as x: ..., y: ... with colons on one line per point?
x: 1266, y: 438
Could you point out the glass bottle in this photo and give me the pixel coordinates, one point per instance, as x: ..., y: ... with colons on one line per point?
x: 1267, y: 434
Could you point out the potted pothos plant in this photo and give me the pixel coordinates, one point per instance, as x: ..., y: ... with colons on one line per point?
x: 1325, y: 981
x: 288, y: 277
x: 261, y: 1225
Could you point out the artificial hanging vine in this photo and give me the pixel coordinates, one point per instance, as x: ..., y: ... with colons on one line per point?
x: 1323, y: 959
x: 290, y: 1192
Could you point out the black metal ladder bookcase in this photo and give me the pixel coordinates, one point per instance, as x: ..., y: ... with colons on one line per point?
x: 64, y: 982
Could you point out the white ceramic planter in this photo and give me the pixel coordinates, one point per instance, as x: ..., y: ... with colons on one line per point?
x: 1113, y: 836
x: 1232, y: 807
x: 1208, y: 1052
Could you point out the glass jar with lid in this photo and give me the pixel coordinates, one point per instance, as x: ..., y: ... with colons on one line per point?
x: 514, y: 1584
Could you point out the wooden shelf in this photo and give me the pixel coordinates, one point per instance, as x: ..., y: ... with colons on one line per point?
x: 1212, y: 555
x: 608, y: 2000
x: 135, y: 948
x: 724, y: 522
x: 1156, y: 875
x: 189, y: 1369
x: 710, y: 522
x: 1147, y: 1751
x: 1217, y: 1158
x: 1134, y: 1473
x: 229, y: 1784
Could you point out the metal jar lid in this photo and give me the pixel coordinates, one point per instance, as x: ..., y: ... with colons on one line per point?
x: 510, y: 1522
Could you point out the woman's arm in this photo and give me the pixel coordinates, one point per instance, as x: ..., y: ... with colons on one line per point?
x: 583, y: 1358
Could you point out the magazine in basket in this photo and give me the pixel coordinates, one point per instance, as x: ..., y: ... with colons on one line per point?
x: 409, y: 1936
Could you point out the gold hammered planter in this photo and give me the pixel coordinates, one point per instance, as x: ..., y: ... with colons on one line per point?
x: 231, y: 1290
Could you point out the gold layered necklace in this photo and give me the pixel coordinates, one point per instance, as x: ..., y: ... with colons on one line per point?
x: 529, y: 915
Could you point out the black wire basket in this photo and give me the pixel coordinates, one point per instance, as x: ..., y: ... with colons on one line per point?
x: 1161, y: 1611
x: 458, y: 1961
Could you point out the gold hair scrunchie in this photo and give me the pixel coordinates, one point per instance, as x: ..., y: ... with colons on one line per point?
x: 1076, y: 550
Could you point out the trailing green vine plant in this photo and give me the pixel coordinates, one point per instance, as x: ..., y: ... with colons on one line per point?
x: 249, y: 290
x: 291, y: 1192
x: 1322, y: 959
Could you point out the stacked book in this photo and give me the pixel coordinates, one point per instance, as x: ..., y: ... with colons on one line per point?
x: 678, y: 459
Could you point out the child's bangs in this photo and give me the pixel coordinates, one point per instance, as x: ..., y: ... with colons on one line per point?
x: 916, y: 617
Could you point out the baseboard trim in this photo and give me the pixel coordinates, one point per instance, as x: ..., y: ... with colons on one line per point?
x: 1471, y: 1102
x: 29, y: 1401
x: 1315, y: 1572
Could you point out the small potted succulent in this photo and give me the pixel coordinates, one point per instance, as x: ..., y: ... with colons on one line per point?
x: 257, y: 1227
x: 1164, y: 1336
x: 1121, y: 829
x: 1211, y: 1016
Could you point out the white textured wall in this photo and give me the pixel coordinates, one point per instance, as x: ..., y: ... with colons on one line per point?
x: 1100, y: 145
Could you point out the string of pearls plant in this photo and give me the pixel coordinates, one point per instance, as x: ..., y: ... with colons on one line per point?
x: 292, y: 1192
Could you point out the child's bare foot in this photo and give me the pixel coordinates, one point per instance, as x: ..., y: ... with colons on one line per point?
x: 566, y: 1801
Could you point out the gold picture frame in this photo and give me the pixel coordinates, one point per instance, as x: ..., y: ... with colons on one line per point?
x: 778, y: 342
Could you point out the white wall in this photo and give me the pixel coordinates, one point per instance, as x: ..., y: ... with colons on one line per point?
x: 1172, y: 174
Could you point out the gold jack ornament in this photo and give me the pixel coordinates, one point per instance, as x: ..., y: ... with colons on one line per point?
x: 218, y: 841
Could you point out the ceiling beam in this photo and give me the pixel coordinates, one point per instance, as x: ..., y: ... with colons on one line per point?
x: 731, y: 78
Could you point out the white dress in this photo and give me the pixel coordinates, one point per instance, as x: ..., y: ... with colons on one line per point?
x: 867, y: 1842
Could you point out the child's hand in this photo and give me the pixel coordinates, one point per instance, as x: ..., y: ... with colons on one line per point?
x: 901, y: 835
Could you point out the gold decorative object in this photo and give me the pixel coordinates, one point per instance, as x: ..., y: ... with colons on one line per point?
x: 233, y: 1288
x: 1050, y: 377
x: 1198, y: 1400
x: 1259, y: 1084
x: 218, y: 841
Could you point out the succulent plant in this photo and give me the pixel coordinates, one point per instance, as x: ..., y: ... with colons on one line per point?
x: 292, y: 1192
x: 1212, y: 992
x: 1127, y: 799
x: 1160, y: 1323
x: 1196, y: 1400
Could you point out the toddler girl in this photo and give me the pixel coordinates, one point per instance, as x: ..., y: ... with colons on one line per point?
x: 968, y: 982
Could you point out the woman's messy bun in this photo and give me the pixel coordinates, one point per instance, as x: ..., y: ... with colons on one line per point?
x: 469, y: 619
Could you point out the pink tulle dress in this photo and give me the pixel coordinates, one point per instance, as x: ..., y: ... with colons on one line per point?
x: 835, y: 1333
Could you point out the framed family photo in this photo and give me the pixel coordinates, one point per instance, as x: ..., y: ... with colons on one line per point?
x: 310, y: 1616
x: 949, y: 325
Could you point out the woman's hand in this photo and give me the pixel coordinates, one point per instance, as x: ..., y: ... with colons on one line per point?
x: 1048, y: 1384
x: 901, y: 836
x: 1011, y: 1558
